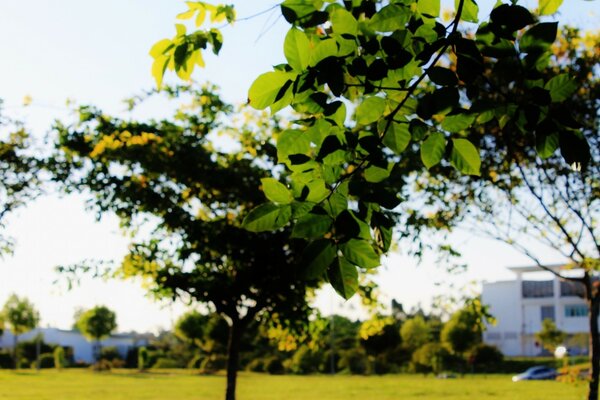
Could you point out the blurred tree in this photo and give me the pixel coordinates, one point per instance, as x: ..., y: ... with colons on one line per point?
x: 415, y: 332
x: 19, y: 174
x: 21, y: 316
x: 192, y: 195
x: 465, y: 328
x: 550, y: 336
x: 97, y: 323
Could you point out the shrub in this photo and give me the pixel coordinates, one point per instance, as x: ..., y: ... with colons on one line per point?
x: 110, y: 353
x: 6, y: 360
x: 213, y: 363
x: 431, y: 357
x: 101, y: 366
x: 196, y: 361
x: 27, y: 351
x: 59, y: 358
x: 274, y: 366
x: 46, y: 361
x: 257, y: 365
x: 304, y: 361
x: 354, y: 361
x: 485, y: 357
x: 142, y: 358
x: 166, y: 363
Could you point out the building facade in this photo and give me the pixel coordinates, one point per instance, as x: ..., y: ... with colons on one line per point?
x: 83, y: 349
x: 520, y: 306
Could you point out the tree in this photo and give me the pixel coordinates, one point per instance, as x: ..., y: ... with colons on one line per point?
x: 21, y: 316
x: 97, y: 323
x: 529, y: 196
x: 390, y: 59
x: 415, y: 332
x: 550, y: 336
x: 465, y: 328
x: 19, y: 179
x: 207, y: 332
x: 193, y: 197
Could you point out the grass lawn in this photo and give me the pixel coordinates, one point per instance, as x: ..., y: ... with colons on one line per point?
x: 182, y: 385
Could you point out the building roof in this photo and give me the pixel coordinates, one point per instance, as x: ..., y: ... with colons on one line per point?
x: 535, y: 268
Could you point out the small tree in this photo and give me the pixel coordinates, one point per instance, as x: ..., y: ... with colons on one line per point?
x: 142, y: 360
x: 97, y: 323
x: 59, y: 357
x: 21, y: 316
x: 550, y: 336
x: 415, y: 332
x: 464, y: 329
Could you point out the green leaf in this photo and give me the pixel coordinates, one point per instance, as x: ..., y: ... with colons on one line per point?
x: 539, y: 37
x: 265, y: 88
x: 561, y: 87
x: 429, y: 7
x: 276, y: 191
x: 390, y: 18
x: 546, y: 145
x: 335, y: 204
x: 442, y: 76
x: 323, y: 49
x: 465, y: 157
x: 457, y: 122
x: 397, y: 137
x: 267, y: 217
x: 160, y: 48
x: 317, y: 257
x: 292, y: 141
x: 376, y: 174
x: 343, y: 22
x: 361, y: 253
x: 343, y: 277
x: 470, y: 10
x: 317, y: 191
x: 297, y: 49
x: 158, y: 69
x: 370, y: 110
x: 311, y: 226
x: 549, y: 7
x: 432, y: 149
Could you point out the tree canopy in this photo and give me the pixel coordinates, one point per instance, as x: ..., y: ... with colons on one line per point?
x: 97, y: 323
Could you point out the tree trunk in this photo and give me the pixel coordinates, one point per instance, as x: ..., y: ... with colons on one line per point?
x: 15, y: 340
x: 233, y: 356
x: 594, y: 346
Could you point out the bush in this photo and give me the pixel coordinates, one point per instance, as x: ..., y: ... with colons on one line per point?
x: 196, y: 361
x: 27, y: 351
x: 304, y: 361
x: 110, y: 353
x: 213, y: 363
x: 257, y: 365
x: 59, y: 358
x: 274, y: 366
x: 431, y: 357
x: 46, y: 361
x: 166, y: 363
x: 142, y: 358
x: 101, y: 366
x: 485, y: 357
x: 6, y: 360
x: 354, y: 361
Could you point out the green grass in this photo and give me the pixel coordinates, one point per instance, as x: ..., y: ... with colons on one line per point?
x: 182, y: 385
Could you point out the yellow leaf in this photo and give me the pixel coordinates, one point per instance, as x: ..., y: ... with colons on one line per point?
x: 186, y: 15
x: 158, y: 69
x: 200, y: 17
x: 27, y: 100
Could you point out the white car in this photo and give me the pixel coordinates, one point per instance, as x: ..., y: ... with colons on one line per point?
x: 536, y: 373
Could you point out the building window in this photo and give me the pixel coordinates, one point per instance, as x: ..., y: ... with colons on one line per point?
x: 571, y: 289
x: 547, y: 313
x: 576, y: 310
x: 537, y: 289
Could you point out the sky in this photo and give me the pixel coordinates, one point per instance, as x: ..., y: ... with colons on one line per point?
x: 97, y: 53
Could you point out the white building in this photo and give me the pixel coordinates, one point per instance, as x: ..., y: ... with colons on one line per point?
x: 521, y: 305
x: 83, y: 349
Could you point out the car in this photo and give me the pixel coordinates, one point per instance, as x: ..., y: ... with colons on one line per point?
x: 536, y: 373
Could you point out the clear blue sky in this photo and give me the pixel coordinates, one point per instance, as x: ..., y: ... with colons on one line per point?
x: 97, y: 52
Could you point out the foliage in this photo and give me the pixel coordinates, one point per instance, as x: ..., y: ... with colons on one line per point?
x: 59, y: 359
x: 274, y: 366
x: 45, y: 361
x: 166, y: 363
x: 379, y: 334
x: 110, y: 353
x: 431, y: 357
x: 465, y: 328
x: 415, y: 332
x: 19, y: 173
x: 19, y: 314
x: 486, y: 357
x: 410, y: 109
x: 354, y: 361
x: 550, y: 336
x: 97, y: 323
x: 213, y: 363
x: 142, y: 358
